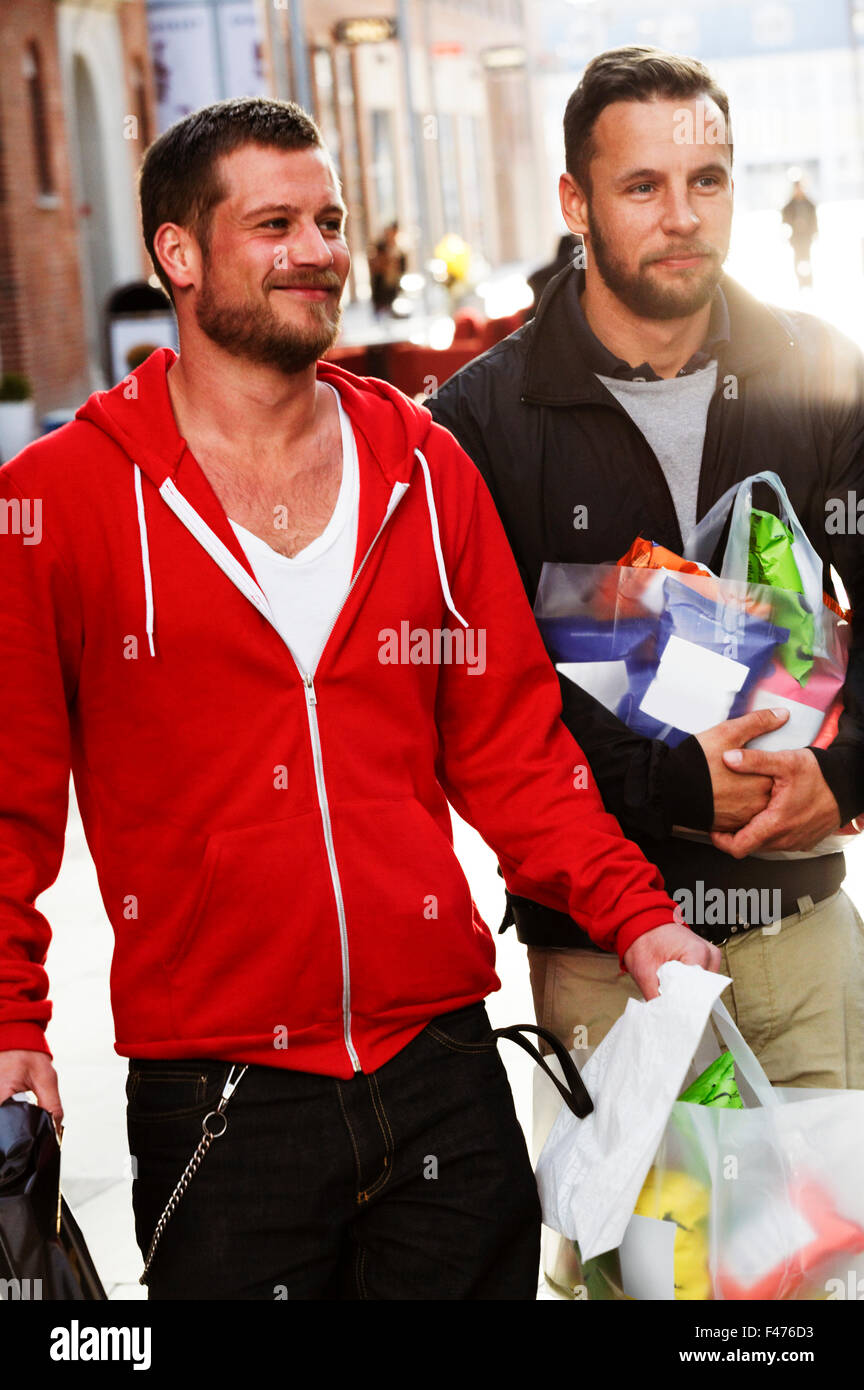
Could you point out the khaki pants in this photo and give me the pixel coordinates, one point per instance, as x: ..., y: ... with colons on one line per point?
x: 797, y: 994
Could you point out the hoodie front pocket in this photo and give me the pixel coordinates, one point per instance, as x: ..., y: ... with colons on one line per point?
x: 211, y: 856
x: 261, y: 952
x: 413, y: 937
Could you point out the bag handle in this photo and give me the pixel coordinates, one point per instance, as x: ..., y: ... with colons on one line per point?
x: 744, y: 1057
x: 738, y: 500
x: 572, y: 1089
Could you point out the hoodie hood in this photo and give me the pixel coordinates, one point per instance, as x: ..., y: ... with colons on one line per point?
x: 150, y: 439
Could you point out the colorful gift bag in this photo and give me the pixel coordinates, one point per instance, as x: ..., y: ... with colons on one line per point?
x: 670, y: 653
x: 672, y: 649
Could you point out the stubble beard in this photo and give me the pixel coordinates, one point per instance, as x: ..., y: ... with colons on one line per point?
x: 255, y: 332
x: 642, y: 295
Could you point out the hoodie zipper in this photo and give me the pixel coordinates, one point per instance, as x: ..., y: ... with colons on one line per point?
x: 208, y: 539
x: 318, y: 760
x: 321, y: 786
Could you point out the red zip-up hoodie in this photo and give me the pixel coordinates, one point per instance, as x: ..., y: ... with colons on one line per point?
x: 273, y: 845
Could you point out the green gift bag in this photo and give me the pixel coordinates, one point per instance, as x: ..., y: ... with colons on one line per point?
x: 771, y: 561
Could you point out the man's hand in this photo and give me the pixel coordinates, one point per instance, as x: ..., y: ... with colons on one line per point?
x: 31, y: 1071
x: 647, y: 953
x: 738, y: 797
x: 801, y: 810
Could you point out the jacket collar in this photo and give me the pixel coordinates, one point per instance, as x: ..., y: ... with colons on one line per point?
x: 560, y: 362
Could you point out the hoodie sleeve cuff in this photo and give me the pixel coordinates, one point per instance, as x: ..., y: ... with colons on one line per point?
x: 685, y: 787
x: 638, y: 926
x: 842, y: 769
x: 23, y: 1037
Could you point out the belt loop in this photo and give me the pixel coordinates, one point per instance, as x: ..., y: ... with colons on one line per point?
x: 806, y: 906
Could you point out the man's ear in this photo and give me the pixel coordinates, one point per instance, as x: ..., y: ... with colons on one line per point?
x: 574, y: 204
x: 179, y: 255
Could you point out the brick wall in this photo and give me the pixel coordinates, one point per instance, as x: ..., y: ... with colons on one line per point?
x: 41, y: 308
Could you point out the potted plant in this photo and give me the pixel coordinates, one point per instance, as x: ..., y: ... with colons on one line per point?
x: 17, y: 414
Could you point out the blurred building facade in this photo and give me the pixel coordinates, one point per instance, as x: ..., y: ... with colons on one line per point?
x: 793, y: 69
x: 76, y: 112
x: 425, y: 105
x: 432, y: 126
x: 443, y: 115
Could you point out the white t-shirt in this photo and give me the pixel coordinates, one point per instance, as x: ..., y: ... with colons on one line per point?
x: 306, y: 591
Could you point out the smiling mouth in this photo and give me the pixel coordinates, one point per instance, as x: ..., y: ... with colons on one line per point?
x: 315, y: 293
x: 680, y: 262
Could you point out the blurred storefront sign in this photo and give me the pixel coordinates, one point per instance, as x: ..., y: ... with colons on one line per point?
x: 512, y: 56
x: 375, y: 30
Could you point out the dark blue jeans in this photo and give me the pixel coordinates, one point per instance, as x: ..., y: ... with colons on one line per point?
x: 411, y: 1182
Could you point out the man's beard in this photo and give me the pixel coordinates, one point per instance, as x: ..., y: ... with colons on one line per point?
x: 644, y: 296
x: 256, y: 333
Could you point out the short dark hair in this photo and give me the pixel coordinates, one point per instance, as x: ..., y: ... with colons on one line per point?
x: 630, y: 74
x: 179, y: 180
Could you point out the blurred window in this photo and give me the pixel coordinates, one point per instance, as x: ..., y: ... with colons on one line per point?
x: 325, y: 101
x: 773, y: 26
x: 452, y: 205
x: 32, y: 69
x: 142, y: 111
x: 384, y: 168
x: 476, y: 208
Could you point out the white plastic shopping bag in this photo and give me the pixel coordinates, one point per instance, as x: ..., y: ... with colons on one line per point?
x: 760, y: 1203
x: 591, y: 1171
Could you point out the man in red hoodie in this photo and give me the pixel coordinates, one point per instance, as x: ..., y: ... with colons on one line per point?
x: 270, y: 620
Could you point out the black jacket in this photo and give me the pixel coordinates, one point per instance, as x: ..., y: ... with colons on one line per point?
x: 548, y: 437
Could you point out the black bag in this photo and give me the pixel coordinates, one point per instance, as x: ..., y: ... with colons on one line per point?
x: 43, y: 1254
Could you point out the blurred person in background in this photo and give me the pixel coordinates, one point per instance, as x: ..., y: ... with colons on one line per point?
x: 799, y: 215
x: 387, y: 263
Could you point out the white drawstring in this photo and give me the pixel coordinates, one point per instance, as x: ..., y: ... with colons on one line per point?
x: 145, y: 549
x: 145, y: 560
x: 436, y: 541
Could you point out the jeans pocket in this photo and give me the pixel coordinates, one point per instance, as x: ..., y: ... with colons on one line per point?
x: 167, y: 1090
x: 464, y: 1030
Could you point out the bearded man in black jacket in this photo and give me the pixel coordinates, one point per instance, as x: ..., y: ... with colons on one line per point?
x: 646, y: 385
